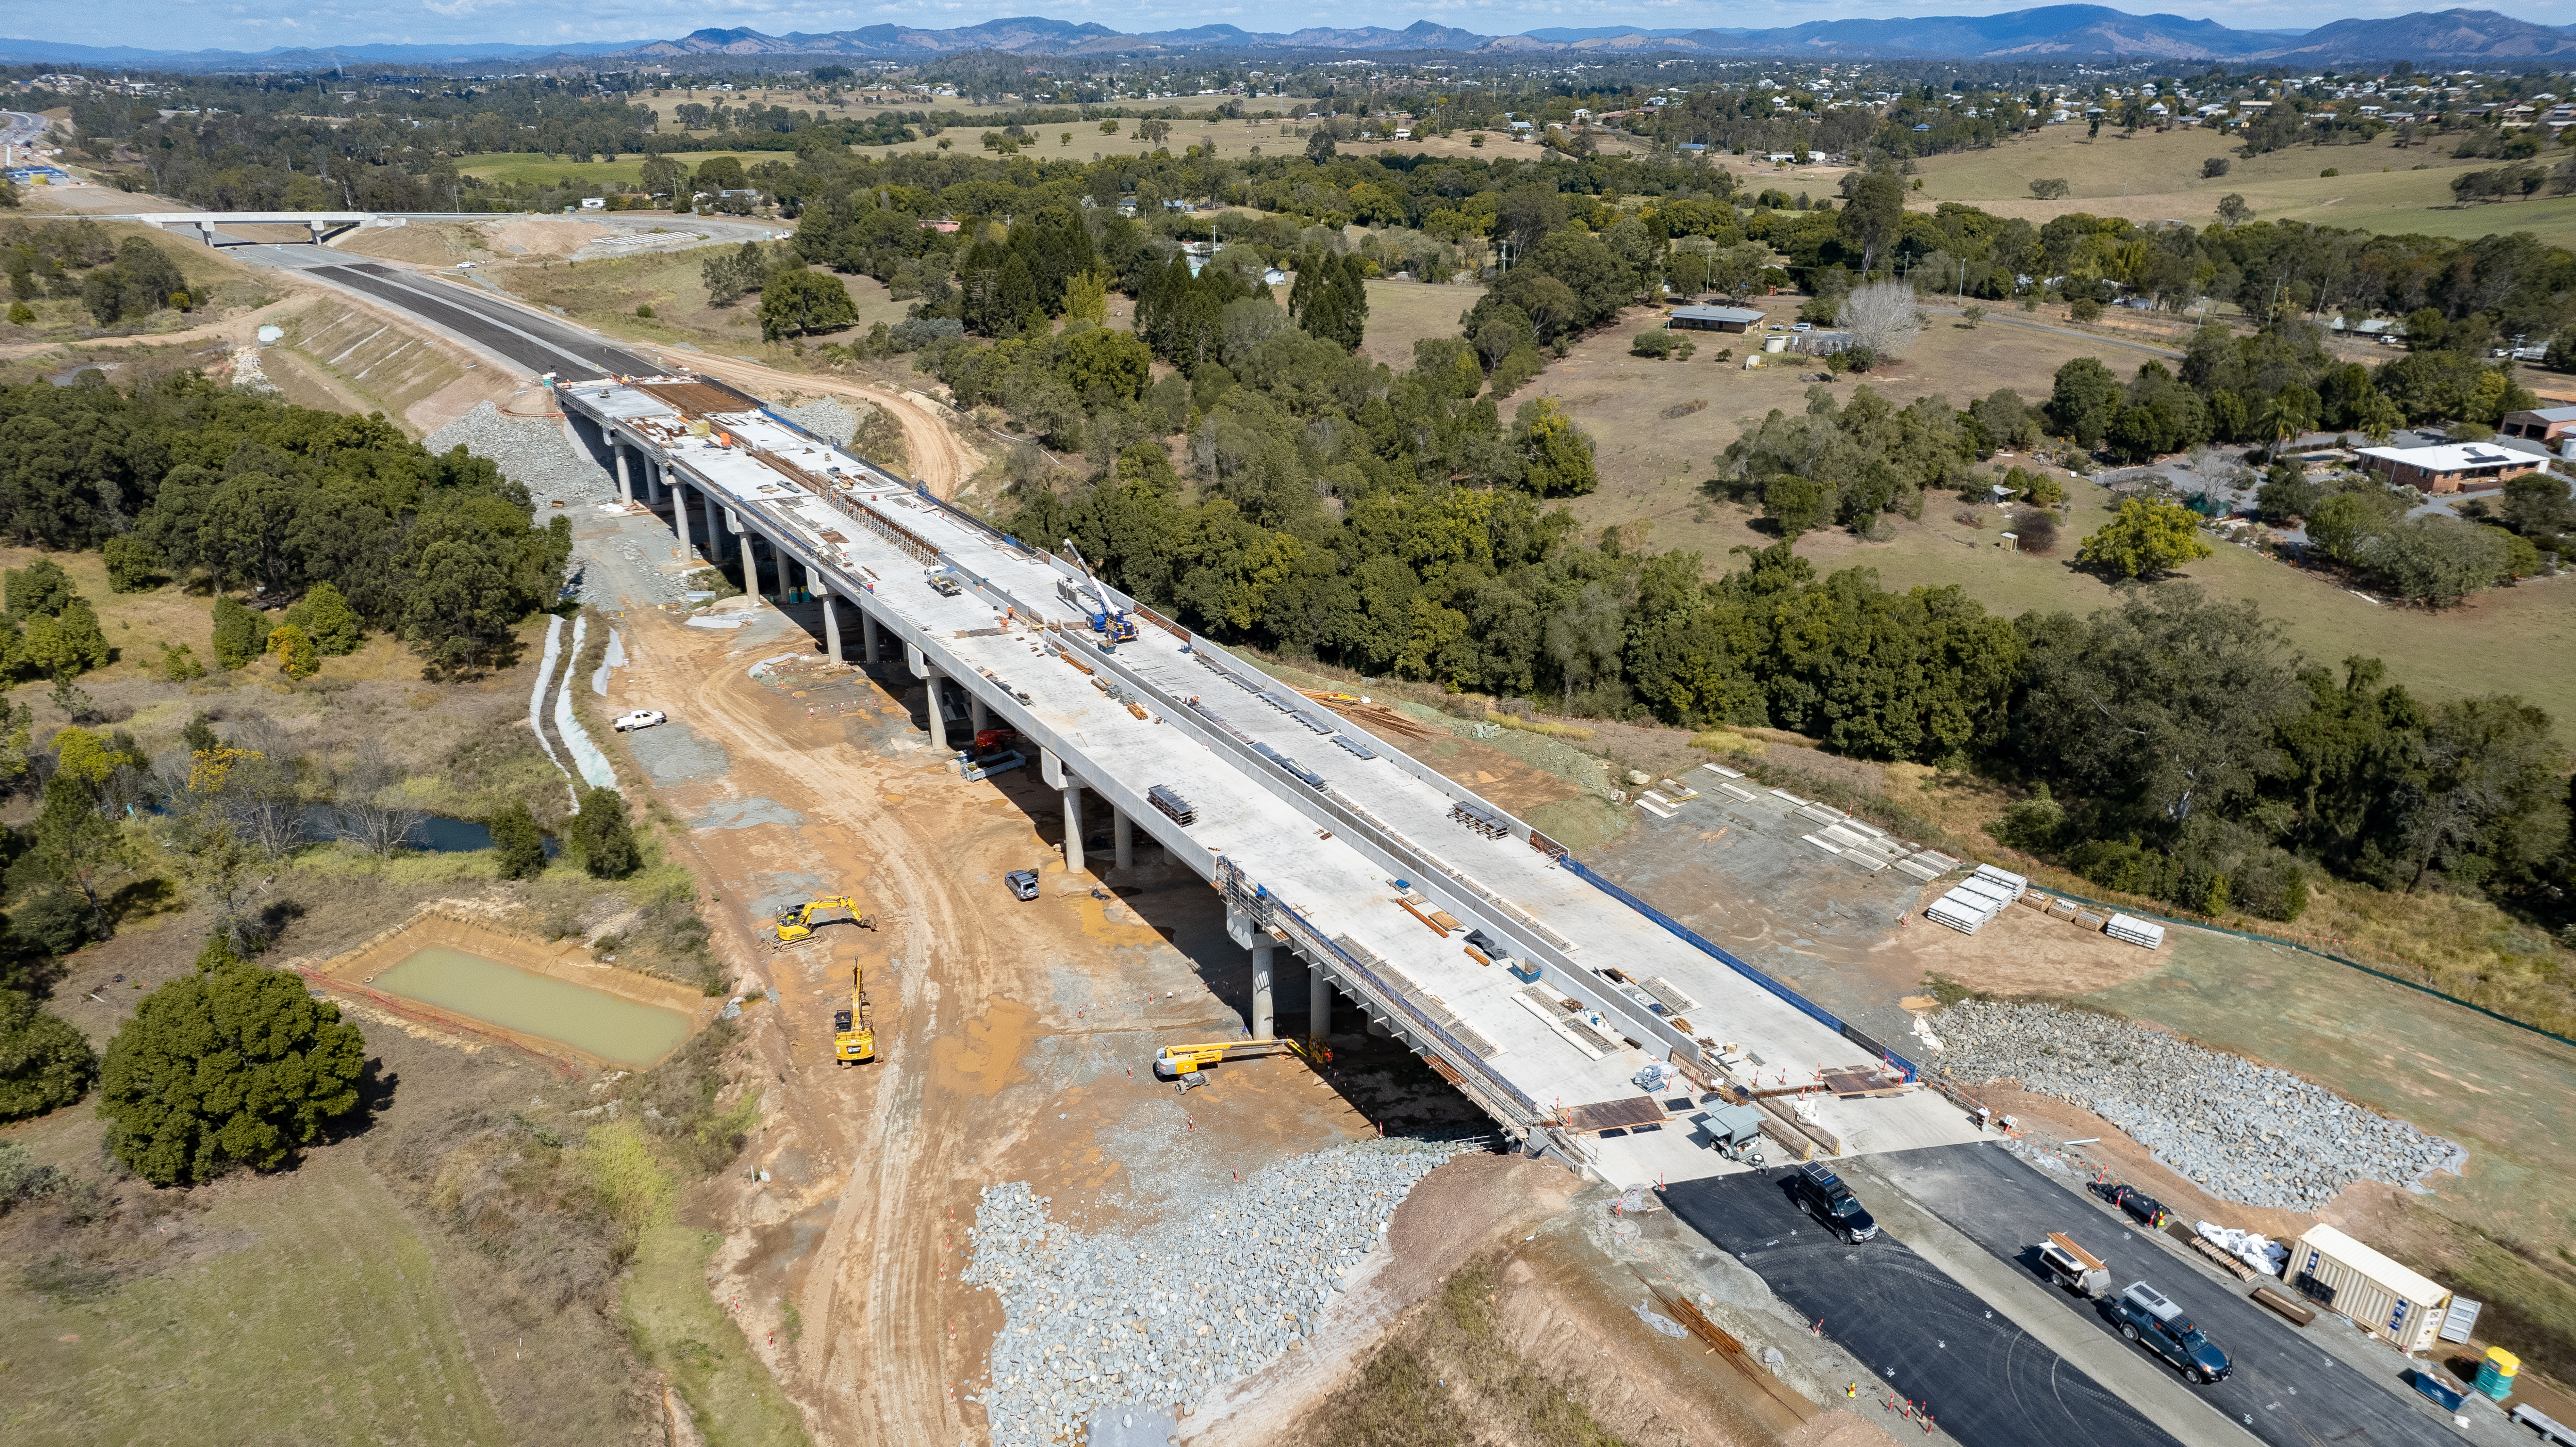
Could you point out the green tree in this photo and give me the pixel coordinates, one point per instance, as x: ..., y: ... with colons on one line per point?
x: 1558, y: 453
x: 2085, y: 401
x: 794, y: 303
x: 240, y: 633
x: 65, y: 647
x: 2145, y: 539
x: 521, y: 845
x: 179, y: 663
x: 77, y: 845
x: 233, y: 1065
x: 601, y: 836
x: 40, y: 589
x: 1797, y: 504
x: 326, y: 618
x: 45, y: 1061
x: 133, y: 564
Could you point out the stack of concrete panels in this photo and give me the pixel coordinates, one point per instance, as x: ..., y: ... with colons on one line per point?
x: 2143, y: 933
x: 1963, y: 909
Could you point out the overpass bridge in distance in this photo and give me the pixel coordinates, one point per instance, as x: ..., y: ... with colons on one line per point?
x: 1326, y: 840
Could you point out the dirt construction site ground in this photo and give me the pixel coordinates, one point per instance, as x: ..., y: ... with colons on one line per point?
x: 1015, y: 1037
x: 1015, y: 1042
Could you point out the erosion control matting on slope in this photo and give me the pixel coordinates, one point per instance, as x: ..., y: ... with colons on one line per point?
x: 2285, y: 1389
x: 1924, y: 1337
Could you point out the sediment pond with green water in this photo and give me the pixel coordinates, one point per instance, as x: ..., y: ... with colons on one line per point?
x: 615, y: 1029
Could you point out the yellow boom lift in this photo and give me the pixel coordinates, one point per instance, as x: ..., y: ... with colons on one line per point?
x: 1182, y: 1063
x: 854, y: 1032
x: 796, y: 926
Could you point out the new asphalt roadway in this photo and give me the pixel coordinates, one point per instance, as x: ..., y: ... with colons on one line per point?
x: 2287, y: 1389
x: 1926, y: 1338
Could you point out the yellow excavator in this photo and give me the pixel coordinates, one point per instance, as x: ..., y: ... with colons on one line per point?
x: 1182, y: 1063
x: 854, y: 1031
x: 796, y: 926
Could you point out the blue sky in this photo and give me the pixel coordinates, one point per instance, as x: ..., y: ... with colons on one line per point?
x: 260, y: 24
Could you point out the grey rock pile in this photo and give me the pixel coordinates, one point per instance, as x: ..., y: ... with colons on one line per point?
x: 1168, y: 1316
x: 531, y: 451
x: 825, y: 417
x: 2240, y: 1131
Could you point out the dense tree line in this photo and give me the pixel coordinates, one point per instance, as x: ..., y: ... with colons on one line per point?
x: 183, y: 478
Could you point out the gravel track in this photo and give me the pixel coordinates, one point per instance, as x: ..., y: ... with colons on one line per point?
x: 2238, y: 1130
x: 1093, y: 1322
x: 531, y: 451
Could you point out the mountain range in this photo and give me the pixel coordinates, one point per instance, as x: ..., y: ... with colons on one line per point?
x: 2055, y: 32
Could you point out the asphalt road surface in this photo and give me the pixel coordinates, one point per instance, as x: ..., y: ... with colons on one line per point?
x: 2285, y: 1390
x: 538, y: 345
x: 1930, y: 1340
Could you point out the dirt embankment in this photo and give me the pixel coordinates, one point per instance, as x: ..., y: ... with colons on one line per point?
x: 940, y: 457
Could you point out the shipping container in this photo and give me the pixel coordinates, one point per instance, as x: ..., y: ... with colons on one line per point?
x: 2374, y: 1293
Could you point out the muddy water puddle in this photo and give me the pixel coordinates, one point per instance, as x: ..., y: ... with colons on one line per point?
x: 592, y: 1021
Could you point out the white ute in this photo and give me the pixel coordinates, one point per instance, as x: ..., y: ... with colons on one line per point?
x: 642, y: 718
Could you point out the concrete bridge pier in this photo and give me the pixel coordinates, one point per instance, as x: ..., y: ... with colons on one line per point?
x: 928, y: 673
x: 1263, y: 1022
x: 1319, y: 1002
x: 1073, y: 862
x: 867, y: 635
x: 981, y: 716
x: 680, y: 518
x: 1122, y: 834
x: 831, y: 621
x: 617, y: 449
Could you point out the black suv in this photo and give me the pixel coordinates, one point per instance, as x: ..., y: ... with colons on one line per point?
x: 2149, y: 1318
x: 1830, y: 1201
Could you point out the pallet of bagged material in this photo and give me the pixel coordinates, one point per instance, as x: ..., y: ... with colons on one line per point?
x: 2086, y: 919
x: 2061, y: 909
x: 2143, y: 933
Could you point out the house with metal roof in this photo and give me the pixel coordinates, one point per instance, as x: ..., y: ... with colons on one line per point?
x: 2452, y: 467
x: 2545, y: 425
x: 1713, y: 319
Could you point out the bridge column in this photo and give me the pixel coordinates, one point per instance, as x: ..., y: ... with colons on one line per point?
x: 1122, y: 834
x: 1319, y: 1001
x: 653, y: 479
x: 933, y: 679
x: 1072, y: 825
x: 617, y: 449
x: 1263, y: 1021
x: 206, y: 229
x: 742, y: 552
x: 976, y: 710
x: 831, y: 622
x: 680, y: 518
x: 867, y: 635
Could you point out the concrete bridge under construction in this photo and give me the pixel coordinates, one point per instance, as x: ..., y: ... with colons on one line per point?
x: 1536, y: 987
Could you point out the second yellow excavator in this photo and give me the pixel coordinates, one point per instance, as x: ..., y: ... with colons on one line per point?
x: 854, y: 1031
x: 796, y: 926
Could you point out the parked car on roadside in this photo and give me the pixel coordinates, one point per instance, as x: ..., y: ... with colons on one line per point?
x: 1831, y: 1202
x: 2151, y: 1319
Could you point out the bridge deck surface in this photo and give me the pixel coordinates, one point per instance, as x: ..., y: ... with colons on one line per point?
x: 1281, y: 840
